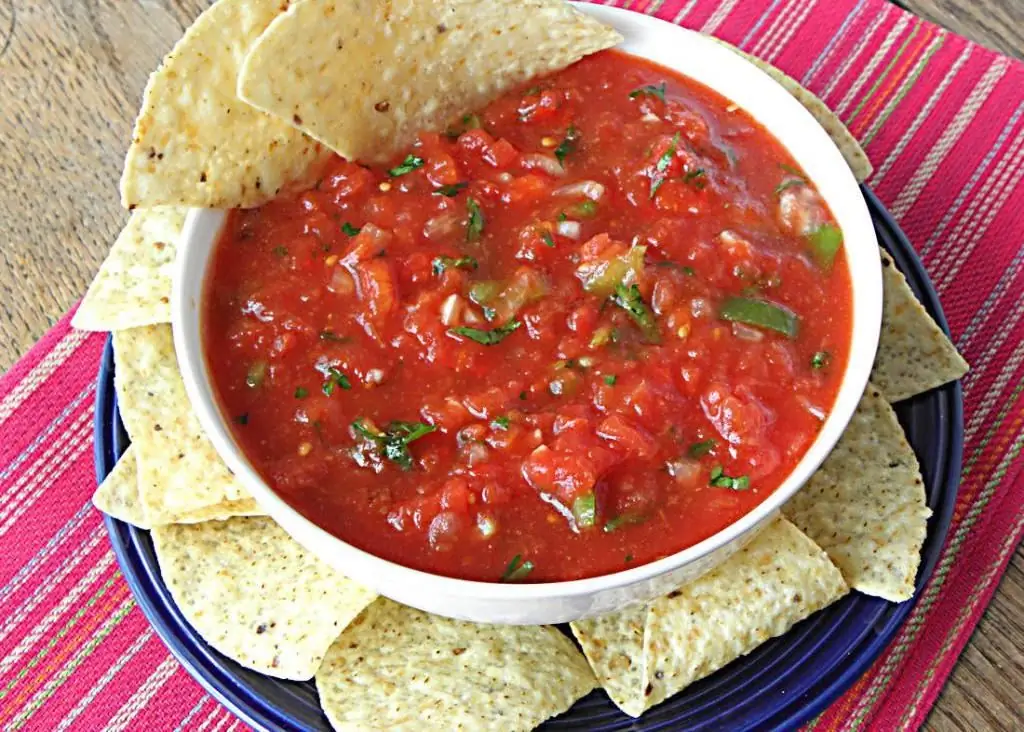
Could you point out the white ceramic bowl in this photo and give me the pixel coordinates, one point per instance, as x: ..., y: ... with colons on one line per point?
x: 722, y: 70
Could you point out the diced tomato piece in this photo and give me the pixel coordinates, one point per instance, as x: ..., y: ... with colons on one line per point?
x: 475, y: 141
x: 442, y: 170
x: 540, y: 107
x: 377, y: 286
x: 346, y: 180
x: 527, y: 188
x: 559, y: 474
x: 501, y: 154
x: 626, y: 435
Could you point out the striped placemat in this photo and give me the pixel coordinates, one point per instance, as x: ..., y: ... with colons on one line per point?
x: 941, y: 119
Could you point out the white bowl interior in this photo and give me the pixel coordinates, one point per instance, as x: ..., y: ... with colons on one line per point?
x: 709, y: 63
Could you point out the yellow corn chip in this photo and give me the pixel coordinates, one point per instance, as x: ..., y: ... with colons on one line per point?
x: 195, y: 143
x: 364, y: 77
x: 866, y: 505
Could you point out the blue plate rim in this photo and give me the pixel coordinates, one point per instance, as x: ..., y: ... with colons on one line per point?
x: 111, y: 441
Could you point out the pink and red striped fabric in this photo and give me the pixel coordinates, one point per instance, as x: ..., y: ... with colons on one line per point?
x: 943, y: 122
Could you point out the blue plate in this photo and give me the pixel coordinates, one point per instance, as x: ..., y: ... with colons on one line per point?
x: 782, y: 684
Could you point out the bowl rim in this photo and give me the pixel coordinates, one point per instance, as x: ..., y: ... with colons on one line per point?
x: 866, y: 314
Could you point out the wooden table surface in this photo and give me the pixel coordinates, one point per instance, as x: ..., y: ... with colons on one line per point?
x: 71, y: 76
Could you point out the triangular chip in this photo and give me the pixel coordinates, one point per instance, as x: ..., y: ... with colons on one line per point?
x: 364, y: 76
x: 775, y: 581
x: 866, y: 504
x: 855, y: 156
x: 395, y: 668
x: 180, y: 473
x: 195, y: 143
x: 914, y: 355
x: 614, y: 646
x: 133, y: 286
x: 118, y: 494
x: 255, y: 595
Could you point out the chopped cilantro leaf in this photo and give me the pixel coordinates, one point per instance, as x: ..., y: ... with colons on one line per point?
x: 408, y: 165
x: 623, y: 519
x: 629, y: 299
x: 568, y: 144
x: 440, y: 264
x: 699, y: 449
x: 475, y: 223
x: 522, y: 395
x: 584, y: 510
x: 789, y: 183
x: 394, y: 441
x: 451, y: 190
x: 330, y: 335
x: 719, y: 479
x: 662, y: 165
x: 488, y: 337
x: 696, y: 177
x: 280, y: 251
x: 242, y: 419
x: 335, y: 378
x: 548, y: 239
x: 650, y: 90
x: 820, y: 359
x: 517, y: 569
x: 301, y: 392
x: 349, y: 230
x: 500, y: 423
x: 610, y: 379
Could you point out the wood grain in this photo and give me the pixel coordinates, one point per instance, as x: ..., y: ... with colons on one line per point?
x: 71, y: 77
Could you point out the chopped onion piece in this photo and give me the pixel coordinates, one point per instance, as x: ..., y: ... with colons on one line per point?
x: 375, y: 376
x: 545, y: 163
x: 746, y: 333
x: 486, y: 525
x: 442, y: 225
x: 450, y: 310
x: 588, y: 188
x: 683, y: 470
x: 341, y: 282
x: 476, y: 453
x: 814, y: 410
x: 699, y: 307
x: 570, y: 229
x: 649, y: 117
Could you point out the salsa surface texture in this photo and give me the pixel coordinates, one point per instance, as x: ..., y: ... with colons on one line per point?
x: 585, y: 328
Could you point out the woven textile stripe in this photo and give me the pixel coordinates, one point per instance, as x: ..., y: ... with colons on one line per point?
x: 943, y: 122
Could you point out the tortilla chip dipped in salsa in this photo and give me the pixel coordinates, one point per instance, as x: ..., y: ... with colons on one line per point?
x: 368, y: 76
x: 255, y: 595
x: 396, y: 668
x: 587, y: 326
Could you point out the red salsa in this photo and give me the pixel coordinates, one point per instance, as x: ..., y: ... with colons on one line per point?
x: 584, y: 328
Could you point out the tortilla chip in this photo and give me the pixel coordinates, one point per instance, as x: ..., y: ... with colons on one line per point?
x: 395, y: 668
x: 914, y: 355
x: 614, y: 646
x: 866, y: 505
x: 775, y: 581
x: 364, y: 76
x: 855, y: 156
x: 180, y: 473
x: 195, y: 143
x: 118, y: 494
x: 133, y: 286
x: 255, y: 595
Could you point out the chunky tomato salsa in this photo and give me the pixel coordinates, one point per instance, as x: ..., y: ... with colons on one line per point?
x: 584, y: 328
